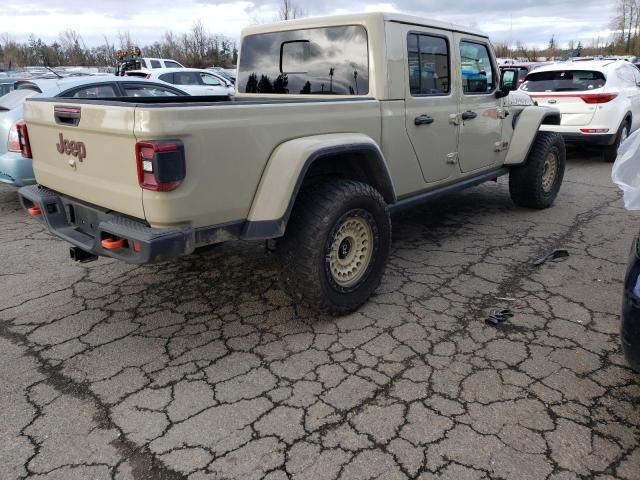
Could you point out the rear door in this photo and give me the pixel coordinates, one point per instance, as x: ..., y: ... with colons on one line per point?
x: 569, y: 91
x: 190, y: 82
x: 86, y: 151
x: 480, y: 112
x: 431, y: 101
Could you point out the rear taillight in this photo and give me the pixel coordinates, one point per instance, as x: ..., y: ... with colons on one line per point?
x: 148, y: 76
x: 19, y: 139
x: 23, y: 136
x: 594, y: 130
x: 161, y: 164
x: 13, y: 143
x: 598, y: 97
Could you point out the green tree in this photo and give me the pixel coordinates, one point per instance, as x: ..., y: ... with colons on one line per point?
x: 265, y: 85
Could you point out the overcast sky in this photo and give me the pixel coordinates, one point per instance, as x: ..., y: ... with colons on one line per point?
x: 529, y: 21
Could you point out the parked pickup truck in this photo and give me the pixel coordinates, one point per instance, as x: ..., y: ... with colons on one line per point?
x: 338, y: 123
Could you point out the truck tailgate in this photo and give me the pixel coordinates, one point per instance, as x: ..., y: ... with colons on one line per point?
x: 86, y: 151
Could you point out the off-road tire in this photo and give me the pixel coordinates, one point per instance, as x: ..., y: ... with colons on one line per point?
x: 527, y: 181
x: 610, y: 152
x: 319, y: 214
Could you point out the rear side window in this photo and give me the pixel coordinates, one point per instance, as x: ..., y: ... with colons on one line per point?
x: 324, y: 61
x: 99, y: 91
x: 477, y: 70
x: 563, y: 81
x: 156, y: 64
x: 428, y: 65
x: 625, y: 73
x: 170, y: 64
x: 166, y: 77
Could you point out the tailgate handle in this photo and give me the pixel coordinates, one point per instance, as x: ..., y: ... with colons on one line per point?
x: 67, y: 115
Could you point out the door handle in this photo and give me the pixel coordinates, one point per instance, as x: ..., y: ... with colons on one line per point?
x: 469, y: 115
x: 423, y: 120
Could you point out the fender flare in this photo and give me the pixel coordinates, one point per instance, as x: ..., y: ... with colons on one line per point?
x: 525, y: 130
x: 285, y: 172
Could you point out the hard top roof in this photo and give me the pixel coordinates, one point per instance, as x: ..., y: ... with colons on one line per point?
x: 359, y: 18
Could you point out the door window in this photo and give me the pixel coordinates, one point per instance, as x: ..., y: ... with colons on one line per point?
x: 210, y: 80
x: 429, y: 72
x: 170, y: 64
x: 155, y: 64
x: 477, y: 71
x: 187, y: 78
x: 166, y: 77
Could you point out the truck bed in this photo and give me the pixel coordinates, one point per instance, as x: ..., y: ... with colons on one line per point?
x: 227, y: 146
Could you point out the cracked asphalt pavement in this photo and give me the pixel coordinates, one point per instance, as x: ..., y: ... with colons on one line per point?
x: 204, y: 369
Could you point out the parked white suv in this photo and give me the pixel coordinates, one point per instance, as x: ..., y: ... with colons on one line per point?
x: 153, y: 63
x: 599, y: 100
x: 194, y: 81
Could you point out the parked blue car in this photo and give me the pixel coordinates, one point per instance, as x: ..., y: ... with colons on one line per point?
x: 630, y: 327
x: 17, y: 170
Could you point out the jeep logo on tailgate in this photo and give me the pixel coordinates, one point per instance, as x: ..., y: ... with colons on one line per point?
x: 70, y: 147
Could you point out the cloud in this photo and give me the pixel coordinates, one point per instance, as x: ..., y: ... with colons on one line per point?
x: 529, y: 21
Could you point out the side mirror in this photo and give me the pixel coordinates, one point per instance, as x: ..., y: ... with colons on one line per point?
x: 508, y: 82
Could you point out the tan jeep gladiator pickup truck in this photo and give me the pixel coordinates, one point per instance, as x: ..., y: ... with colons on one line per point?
x: 338, y: 123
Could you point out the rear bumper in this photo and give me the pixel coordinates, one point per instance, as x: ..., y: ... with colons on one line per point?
x: 572, y: 134
x: 86, y: 226
x: 16, y: 170
x: 595, y: 139
x: 630, y: 327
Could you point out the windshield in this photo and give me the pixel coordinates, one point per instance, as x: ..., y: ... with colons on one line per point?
x: 14, y: 99
x: 563, y: 81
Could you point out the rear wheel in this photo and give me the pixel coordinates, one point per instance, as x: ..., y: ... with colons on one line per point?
x: 610, y: 152
x: 536, y: 183
x: 336, y: 246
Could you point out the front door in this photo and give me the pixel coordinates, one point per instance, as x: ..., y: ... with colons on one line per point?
x: 431, y: 102
x: 480, y: 113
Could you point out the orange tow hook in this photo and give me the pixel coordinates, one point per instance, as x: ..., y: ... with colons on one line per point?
x: 34, y: 211
x: 112, y: 243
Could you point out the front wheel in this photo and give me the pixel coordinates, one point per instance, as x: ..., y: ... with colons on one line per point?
x: 336, y: 246
x: 536, y: 183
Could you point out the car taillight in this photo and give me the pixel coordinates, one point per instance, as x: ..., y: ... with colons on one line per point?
x: 161, y: 164
x: 13, y: 143
x: 148, y: 76
x: 19, y: 139
x: 594, y: 130
x: 598, y: 97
